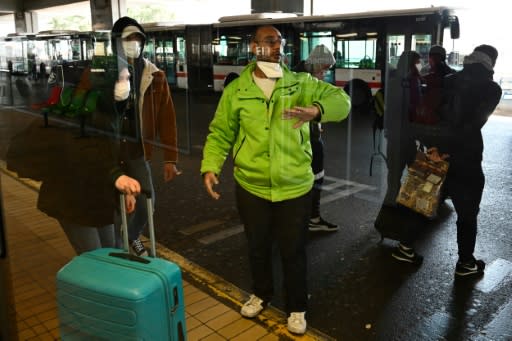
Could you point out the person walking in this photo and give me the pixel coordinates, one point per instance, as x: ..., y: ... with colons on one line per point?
x: 144, y: 112
x: 263, y: 116
x: 317, y: 64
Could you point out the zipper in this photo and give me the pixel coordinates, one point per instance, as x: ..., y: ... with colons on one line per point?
x: 238, y: 150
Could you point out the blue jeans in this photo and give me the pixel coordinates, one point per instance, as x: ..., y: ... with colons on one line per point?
x: 285, y: 222
x: 138, y: 219
x: 87, y: 238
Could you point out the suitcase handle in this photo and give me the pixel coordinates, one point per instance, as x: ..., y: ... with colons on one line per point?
x: 129, y: 256
x: 151, y: 226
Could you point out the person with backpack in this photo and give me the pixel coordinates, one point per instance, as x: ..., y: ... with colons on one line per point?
x: 470, y: 98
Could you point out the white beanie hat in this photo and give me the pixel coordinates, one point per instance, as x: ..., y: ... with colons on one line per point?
x: 321, y: 55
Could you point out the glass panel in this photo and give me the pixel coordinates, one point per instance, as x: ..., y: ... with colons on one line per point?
x: 453, y: 58
x: 395, y: 45
x: 231, y: 50
x: 421, y: 43
x: 308, y: 42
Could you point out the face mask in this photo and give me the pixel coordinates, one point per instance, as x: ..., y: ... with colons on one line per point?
x: 418, y: 67
x: 131, y: 48
x: 271, y: 70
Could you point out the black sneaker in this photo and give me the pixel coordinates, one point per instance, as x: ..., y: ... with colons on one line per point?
x: 319, y: 224
x: 137, y: 248
x: 407, y: 254
x: 472, y: 268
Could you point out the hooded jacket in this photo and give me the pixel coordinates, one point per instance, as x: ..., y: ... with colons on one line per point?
x: 470, y: 98
x: 272, y: 160
x: 155, y: 115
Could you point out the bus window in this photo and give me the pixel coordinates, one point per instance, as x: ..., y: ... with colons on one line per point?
x: 180, y: 49
x: 74, y: 50
x: 421, y: 43
x: 356, y: 53
x: 181, y: 64
x: 230, y: 50
x: 395, y: 46
x: 452, y: 55
x: 149, y: 50
x: 164, y: 57
x: 309, y: 40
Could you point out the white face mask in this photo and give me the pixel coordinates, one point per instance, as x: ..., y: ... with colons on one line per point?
x: 132, y: 48
x: 271, y: 70
x: 418, y: 66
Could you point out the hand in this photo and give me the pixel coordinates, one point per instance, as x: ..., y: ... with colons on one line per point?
x: 209, y: 180
x: 170, y: 171
x: 124, y: 75
x: 304, y: 114
x: 122, y: 86
x: 433, y: 155
x: 130, y: 201
x: 127, y: 185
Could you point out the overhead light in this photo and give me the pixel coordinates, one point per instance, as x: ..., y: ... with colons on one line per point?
x: 346, y: 35
x: 372, y: 34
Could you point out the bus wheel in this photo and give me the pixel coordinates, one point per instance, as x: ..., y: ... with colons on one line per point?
x: 360, y: 95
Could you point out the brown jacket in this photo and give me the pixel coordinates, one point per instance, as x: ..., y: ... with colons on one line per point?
x: 157, y: 121
x: 158, y: 115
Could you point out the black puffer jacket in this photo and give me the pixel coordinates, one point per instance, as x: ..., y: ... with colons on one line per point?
x: 470, y: 98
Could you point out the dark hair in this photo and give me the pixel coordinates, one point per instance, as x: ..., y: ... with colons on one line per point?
x: 488, y: 50
x: 437, y: 50
x: 258, y: 28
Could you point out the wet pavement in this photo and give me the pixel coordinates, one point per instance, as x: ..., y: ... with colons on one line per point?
x: 357, y: 290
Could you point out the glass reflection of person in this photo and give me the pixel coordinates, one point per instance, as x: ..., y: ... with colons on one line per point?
x: 145, y: 112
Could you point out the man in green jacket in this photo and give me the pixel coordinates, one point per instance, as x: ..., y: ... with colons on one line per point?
x: 261, y: 116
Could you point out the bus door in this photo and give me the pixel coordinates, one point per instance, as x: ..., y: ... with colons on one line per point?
x: 160, y: 50
x: 412, y: 34
x: 199, y: 57
x: 419, y: 42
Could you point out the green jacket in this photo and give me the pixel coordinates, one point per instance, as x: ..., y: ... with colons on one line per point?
x: 272, y: 160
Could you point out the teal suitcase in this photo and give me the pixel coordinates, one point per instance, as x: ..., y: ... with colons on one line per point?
x: 108, y: 294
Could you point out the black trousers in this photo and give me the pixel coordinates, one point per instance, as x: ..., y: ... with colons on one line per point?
x: 465, y: 184
x: 317, y: 165
x: 286, y: 223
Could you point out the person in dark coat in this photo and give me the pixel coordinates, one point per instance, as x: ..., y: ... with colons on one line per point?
x: 471, y: 97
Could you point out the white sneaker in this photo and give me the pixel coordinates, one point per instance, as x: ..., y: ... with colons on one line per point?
x: 252, y: 307
x: 297, y: 323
